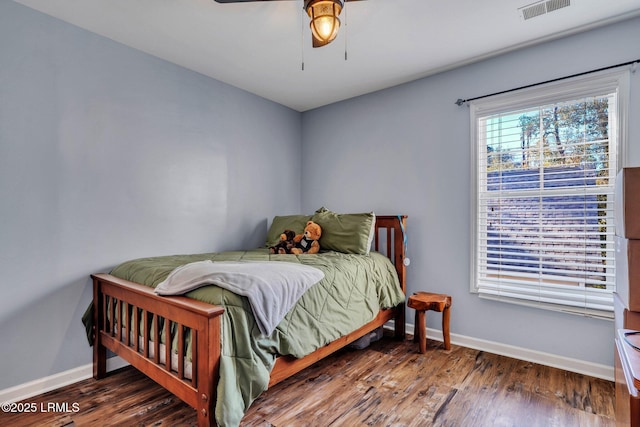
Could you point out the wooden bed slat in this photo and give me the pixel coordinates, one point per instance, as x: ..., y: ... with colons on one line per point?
x: 117, y: 321
x: 105, y: 320
x: 156, y: 338
x: 181, y: 351
x: 145, y: 342
x: 128, y: 320
x: 136, y: 329
x: 112, y: 309
x: 167, y: 344
x: 194, y: 358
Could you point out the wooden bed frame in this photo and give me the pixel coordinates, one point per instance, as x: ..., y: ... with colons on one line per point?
x: 204, y: 322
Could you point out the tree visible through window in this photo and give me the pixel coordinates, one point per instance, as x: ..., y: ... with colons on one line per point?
x: 545, y: 176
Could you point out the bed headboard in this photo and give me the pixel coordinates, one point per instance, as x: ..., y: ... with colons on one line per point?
x: 390, y: 239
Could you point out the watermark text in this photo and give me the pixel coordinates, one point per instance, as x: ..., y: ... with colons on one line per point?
x: 27, y: 407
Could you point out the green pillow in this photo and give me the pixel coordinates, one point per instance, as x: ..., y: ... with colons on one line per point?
x: 347, y: 233
x: 287, y: 222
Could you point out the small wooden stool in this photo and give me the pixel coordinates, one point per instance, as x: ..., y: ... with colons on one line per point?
x: 422, y: 301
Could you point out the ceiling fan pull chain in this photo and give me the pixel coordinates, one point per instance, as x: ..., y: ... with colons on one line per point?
x: 346, y: 30
x: 302, y: 35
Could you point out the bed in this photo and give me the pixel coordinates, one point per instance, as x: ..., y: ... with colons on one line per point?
x: 205, y: 348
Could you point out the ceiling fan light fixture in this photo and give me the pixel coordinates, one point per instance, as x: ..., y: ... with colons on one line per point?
x: 324, y: 20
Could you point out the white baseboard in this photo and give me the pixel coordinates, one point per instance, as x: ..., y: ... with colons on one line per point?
x: 596, y: 370
x: 52, y: 382
x: 43, y: 385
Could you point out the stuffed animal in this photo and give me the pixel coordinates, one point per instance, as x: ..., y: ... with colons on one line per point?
x: 285, y: 244
x: 307, y: 242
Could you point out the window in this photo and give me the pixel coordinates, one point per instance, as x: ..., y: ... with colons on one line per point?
x: 544, y: 163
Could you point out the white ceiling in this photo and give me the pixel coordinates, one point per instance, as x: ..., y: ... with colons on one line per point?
x: 260, y: 46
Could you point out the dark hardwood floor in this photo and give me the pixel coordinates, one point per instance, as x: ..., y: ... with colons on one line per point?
x: 386, y: 384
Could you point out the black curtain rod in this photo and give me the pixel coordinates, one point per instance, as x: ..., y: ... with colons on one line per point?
x: 463, y: 101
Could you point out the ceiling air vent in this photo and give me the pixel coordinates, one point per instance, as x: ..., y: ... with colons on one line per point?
x: 542, y: 7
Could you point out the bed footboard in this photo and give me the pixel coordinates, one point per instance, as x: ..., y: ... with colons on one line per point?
x: 131, y: 321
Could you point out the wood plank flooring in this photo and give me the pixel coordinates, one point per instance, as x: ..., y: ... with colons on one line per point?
x: 387, y: 384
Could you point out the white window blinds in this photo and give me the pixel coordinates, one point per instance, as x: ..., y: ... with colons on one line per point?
x: 545, y: 165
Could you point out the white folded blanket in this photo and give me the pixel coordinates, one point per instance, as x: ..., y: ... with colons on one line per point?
x: 272, y: 288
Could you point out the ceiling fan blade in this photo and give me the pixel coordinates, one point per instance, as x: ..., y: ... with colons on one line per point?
x: 251, y: 1
x: 245, y: 1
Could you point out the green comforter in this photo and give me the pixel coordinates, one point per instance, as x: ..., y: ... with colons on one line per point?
x: 353, y: 290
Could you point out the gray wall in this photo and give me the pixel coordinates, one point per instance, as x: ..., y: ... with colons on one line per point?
x: 407, y: 150
x: 108, y: 154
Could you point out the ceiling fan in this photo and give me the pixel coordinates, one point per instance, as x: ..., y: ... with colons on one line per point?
x: 324, y: 18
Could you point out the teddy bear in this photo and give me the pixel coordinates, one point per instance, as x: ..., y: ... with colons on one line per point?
x: 307, y: 242
x: 285, y: 244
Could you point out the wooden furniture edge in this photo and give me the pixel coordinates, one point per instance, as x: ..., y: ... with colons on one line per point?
x: 631, y: 359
